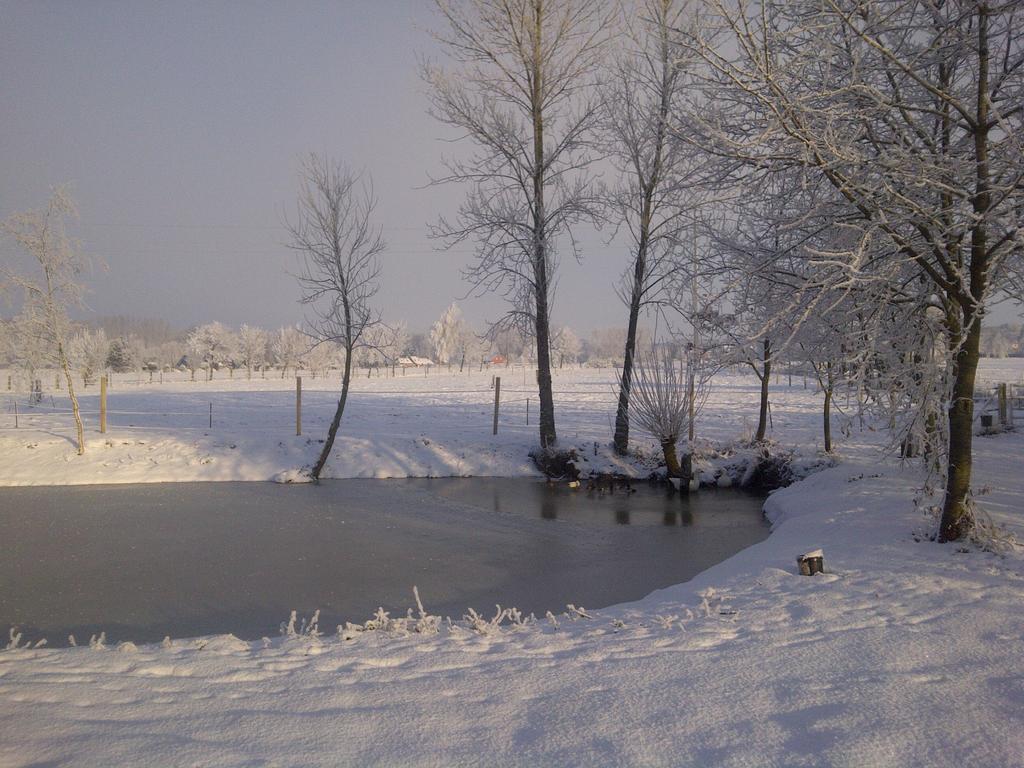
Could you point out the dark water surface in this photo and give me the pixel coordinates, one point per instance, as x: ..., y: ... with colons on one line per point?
x: 187, y: 559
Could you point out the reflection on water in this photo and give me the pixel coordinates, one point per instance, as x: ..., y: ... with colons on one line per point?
x: 641, y: 504
x: 141, y: 562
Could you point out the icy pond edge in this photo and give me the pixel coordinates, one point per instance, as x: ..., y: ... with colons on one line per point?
x: 781, y: 506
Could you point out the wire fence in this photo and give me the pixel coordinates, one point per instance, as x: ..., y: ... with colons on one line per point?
x: 276, y: 411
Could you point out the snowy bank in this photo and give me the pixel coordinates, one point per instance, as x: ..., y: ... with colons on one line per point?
x: 905, y: 653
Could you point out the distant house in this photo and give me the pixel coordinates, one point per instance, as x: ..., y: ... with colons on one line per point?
x: 498, y: 360
x: 412, y: 361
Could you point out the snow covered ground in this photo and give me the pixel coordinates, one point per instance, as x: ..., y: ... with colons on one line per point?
x: 905, y: 653
x: 415, y: 425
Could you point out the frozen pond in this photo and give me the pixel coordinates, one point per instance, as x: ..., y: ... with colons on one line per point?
x: 144, y: 561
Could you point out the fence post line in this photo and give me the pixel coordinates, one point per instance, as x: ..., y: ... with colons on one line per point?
x: 527, y: 411
x: 103, y: 405
x: 211, y: 415
x: 15, y: 414
x: 497, y: 399
x: 298, y: 405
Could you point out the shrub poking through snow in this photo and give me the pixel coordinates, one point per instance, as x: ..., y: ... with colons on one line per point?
x: 310, y: 628
x: 574, y: 612
x: 422, y: 623
x: 15, y: 639
x: 482, y: 626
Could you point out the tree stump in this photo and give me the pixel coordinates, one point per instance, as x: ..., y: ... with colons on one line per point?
x: 811, y: 563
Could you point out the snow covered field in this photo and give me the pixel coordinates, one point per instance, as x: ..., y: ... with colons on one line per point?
x: 905, y: 653
x: 407, y: 426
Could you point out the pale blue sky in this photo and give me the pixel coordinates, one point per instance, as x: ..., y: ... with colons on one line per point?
x: 180, y: 124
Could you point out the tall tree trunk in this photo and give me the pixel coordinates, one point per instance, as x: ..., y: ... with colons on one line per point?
x: 648, y: 187
x: 547, y: 403
x: 332, y: 431
x: 956, y: 517
x: 955, y: 512
x: 828, y: 420
x: 668, y: 448
x: 621, y: 438
x: 540, y: 266
x: 765, y: 374
x: 79, y: 430
x: 691, y: 402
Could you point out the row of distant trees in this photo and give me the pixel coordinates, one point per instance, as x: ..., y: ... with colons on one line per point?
x: 1003, y: 341
x: 124, y: 344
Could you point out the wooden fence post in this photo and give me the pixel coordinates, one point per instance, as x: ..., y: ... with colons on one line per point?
x: 527, y: 411
x: 15, y: 414
x: 1004, y: 417
x: 211, y: 415
x: 497, y: 399
x: 298, y: 405
x: 103, y: 405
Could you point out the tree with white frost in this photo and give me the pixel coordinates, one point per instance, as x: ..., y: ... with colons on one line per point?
x: 520, y: 91
x: 211, y: 346
x: 252, y: 348
x: 30, y: 349
x: 450, y: 336
x: 88, y: 352
x: 124, y: 354
x: 48, y: 294
x: 911, y: 112
x: 287, y: 346
x: 565, y: 345
x: 394, y: 341
x: 339, y: 246
x: 321, y: 358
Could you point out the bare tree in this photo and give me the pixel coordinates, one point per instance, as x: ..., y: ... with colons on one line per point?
x: 333, y: 231
x: 520, y: 91
x: 47, y: 296
x: 641, y: 99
